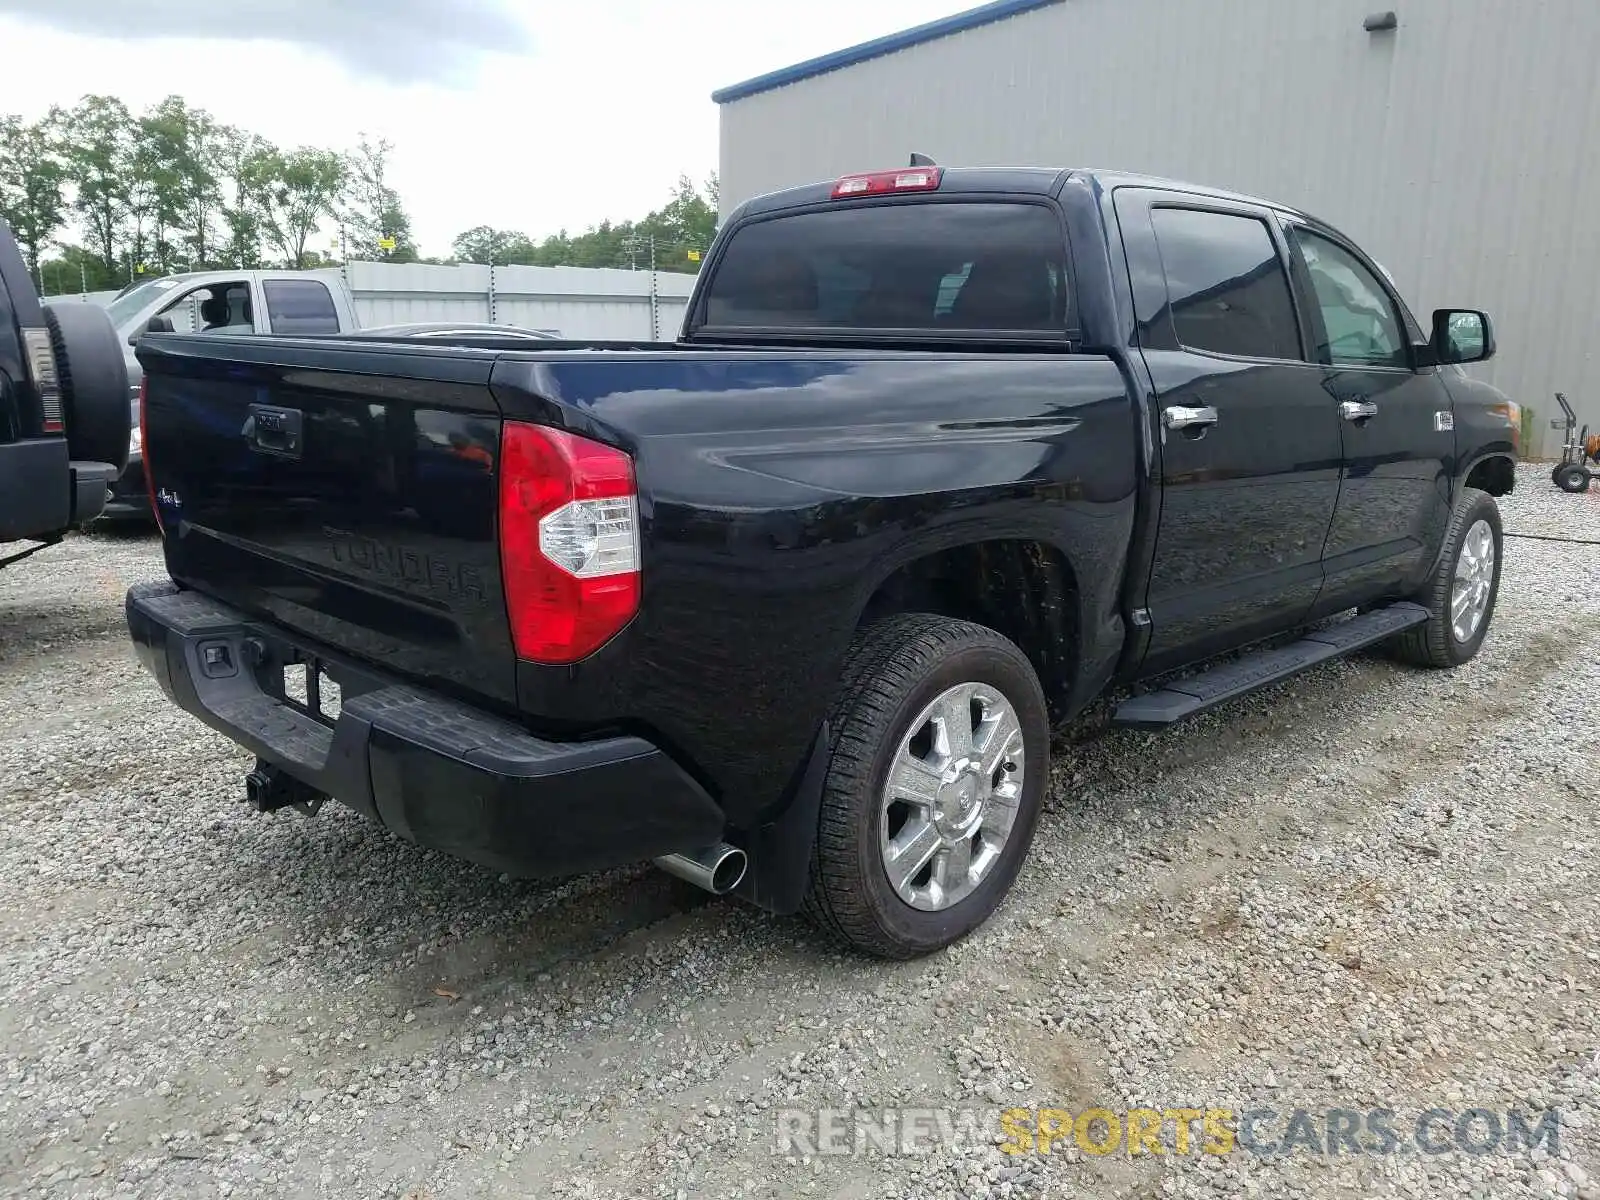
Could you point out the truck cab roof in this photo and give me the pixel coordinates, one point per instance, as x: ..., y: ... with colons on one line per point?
x: 1022, y: 181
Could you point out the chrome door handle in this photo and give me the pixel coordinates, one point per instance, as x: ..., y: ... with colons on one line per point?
x: 1357, y: 410
x: 1179, y: 417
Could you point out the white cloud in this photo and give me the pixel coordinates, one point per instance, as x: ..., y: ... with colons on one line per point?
x: 395, y: 40
x: 593, y: 116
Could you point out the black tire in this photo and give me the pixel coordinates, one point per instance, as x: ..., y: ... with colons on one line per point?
x: 96, y: 403
x: 1434, y: 642
x: 897, y: 667
x: 1571, y: 478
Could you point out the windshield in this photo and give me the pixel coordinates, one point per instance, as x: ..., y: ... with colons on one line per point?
x: 127, y: 305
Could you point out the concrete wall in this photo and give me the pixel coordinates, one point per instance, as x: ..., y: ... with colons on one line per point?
x: 1456, y: 149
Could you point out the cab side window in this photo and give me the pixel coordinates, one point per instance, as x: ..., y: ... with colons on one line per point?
x: 215, y: 308
x: 1227, y: 290
x: 1360, y: 327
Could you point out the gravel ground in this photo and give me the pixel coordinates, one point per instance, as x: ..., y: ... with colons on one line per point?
x: 1372, y: 887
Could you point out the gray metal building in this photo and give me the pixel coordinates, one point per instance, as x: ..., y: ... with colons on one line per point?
x: 1460, y: 147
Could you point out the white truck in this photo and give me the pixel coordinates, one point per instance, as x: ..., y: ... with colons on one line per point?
x: 231, y: 302
x: 284, y: 303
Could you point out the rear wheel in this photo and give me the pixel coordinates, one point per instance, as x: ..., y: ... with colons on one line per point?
x: 939, y: 765
x: 1571, y: 478
x: 1460, y: 597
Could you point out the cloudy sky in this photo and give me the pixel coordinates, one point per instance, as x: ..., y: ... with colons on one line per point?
x: 522, y: 114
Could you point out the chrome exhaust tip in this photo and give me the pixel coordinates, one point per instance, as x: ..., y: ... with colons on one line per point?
x: 717, y: 869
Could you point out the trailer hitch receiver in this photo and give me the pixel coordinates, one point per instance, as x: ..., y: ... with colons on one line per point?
x: 268, y: 788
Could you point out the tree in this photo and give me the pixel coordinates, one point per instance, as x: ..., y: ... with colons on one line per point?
x: 32, y: 199
x: 150, y: 207
x: 177, y: 156
x: 300, y: 188
x: 74, y: 269
x: 665, y: 237
x: 172, y: 188
x: 245, y: 206
x: 688, y: 222
x: 201, y: 153
x: 97, y: 146
x: 372, y: 213
x: 501, y: 247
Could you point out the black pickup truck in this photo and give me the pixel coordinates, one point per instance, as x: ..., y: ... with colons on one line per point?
x: 791, y: 605
x: 64, y: 419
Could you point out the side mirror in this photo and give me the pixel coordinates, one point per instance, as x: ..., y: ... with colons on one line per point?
x: 153, y: 325
x: 1462, y: 335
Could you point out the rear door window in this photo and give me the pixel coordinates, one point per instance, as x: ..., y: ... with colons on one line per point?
x: 302, y: 307
x: 945, y: 266
x: 1227, y: 288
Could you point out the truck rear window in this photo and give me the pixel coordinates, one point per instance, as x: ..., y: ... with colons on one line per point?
x: 964, y: 266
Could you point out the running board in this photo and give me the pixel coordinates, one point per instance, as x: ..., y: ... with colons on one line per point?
x: 1157, y: 710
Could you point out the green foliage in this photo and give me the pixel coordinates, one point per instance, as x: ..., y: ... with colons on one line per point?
x: 98, y: 147
x: 178, y: 156
x: 481, y: 244
x: 173, y: 189
x: 300, y: 188
x: 79, y: 269
x: 665, y: 238
x: 371, y: 215
x: 32, y: 197
x: 245, y: 163
x: 100, y: 196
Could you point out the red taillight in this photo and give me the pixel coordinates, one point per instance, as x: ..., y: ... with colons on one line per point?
x: 569, y: 542
x: 144, y: 449
x: 878, y: 183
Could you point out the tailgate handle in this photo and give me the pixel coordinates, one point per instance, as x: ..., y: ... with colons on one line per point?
x: 275, y: 430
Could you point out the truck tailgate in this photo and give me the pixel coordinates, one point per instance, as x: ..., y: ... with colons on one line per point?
x: 297, y: 484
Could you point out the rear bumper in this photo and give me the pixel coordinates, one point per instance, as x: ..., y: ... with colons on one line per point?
x: 434, y: 771
x: 129, y: 499
x: 44, y: 492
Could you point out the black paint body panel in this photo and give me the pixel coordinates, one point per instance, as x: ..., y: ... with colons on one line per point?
x: 779, y: 490
x: 377, y: 538
x: 38, y: 481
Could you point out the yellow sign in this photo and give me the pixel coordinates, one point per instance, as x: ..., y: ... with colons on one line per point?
x: 694, y: 256
x: 386, y: 244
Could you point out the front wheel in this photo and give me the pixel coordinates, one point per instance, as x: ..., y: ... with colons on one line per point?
x: 1572, y: 478
x: 1461, y: 595
x: 940, y: 760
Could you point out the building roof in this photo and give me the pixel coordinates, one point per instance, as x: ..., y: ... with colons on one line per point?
x: 999, y: 10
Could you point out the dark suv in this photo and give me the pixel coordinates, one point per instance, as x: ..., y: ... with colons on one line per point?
x: 64, y: 417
